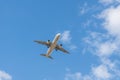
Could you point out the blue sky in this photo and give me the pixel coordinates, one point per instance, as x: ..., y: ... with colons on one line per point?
x: 90, y: 32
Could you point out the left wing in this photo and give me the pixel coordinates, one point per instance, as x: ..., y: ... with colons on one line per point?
x: 43, y: 43
x: 61, y: 49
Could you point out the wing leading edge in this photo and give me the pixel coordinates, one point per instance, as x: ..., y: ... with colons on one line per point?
x: 43, y: 43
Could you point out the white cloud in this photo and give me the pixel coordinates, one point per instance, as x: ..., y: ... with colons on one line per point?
x: 106, y: 49
x: 107, y: 2
x: 73, y: 47
x: 111, y: 24
x: 111, y: 17
x: 66, y: 37
x: 5, y: 76
x: 107, y: 62
x: 84, y: 9
x: 101, y: 72
x: 74, y: 76
x: 104, y: 46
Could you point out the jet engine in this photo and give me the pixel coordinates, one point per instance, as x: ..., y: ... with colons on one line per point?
x: 61, y: 45
x: 48, y: 43
x: 48, y: 40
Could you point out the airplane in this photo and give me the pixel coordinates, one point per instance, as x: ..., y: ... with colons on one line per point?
x: 51, y: 46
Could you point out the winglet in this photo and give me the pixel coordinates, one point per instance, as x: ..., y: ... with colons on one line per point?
x: 46, y: 56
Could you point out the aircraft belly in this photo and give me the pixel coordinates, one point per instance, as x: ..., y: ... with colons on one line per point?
x: 53, y: 44
x: 50, y: 49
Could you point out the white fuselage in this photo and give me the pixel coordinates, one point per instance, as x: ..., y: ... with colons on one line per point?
x: 53, y: 44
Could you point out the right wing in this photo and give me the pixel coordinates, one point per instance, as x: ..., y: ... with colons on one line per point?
x: 43, y: 43
x: 61, y: 49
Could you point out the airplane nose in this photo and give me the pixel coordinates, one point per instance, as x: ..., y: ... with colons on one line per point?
x: 58, y: 34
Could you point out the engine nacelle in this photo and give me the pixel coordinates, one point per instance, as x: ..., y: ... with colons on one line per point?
x: 61, y: 45
x: 48, y: 40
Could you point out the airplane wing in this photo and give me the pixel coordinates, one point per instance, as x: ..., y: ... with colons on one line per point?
x: 61, y: 49
x: 43, y: 43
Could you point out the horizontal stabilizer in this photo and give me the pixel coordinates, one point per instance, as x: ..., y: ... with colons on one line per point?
x: 46, y: 56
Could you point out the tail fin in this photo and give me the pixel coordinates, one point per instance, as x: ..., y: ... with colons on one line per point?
x: 46, y: 56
